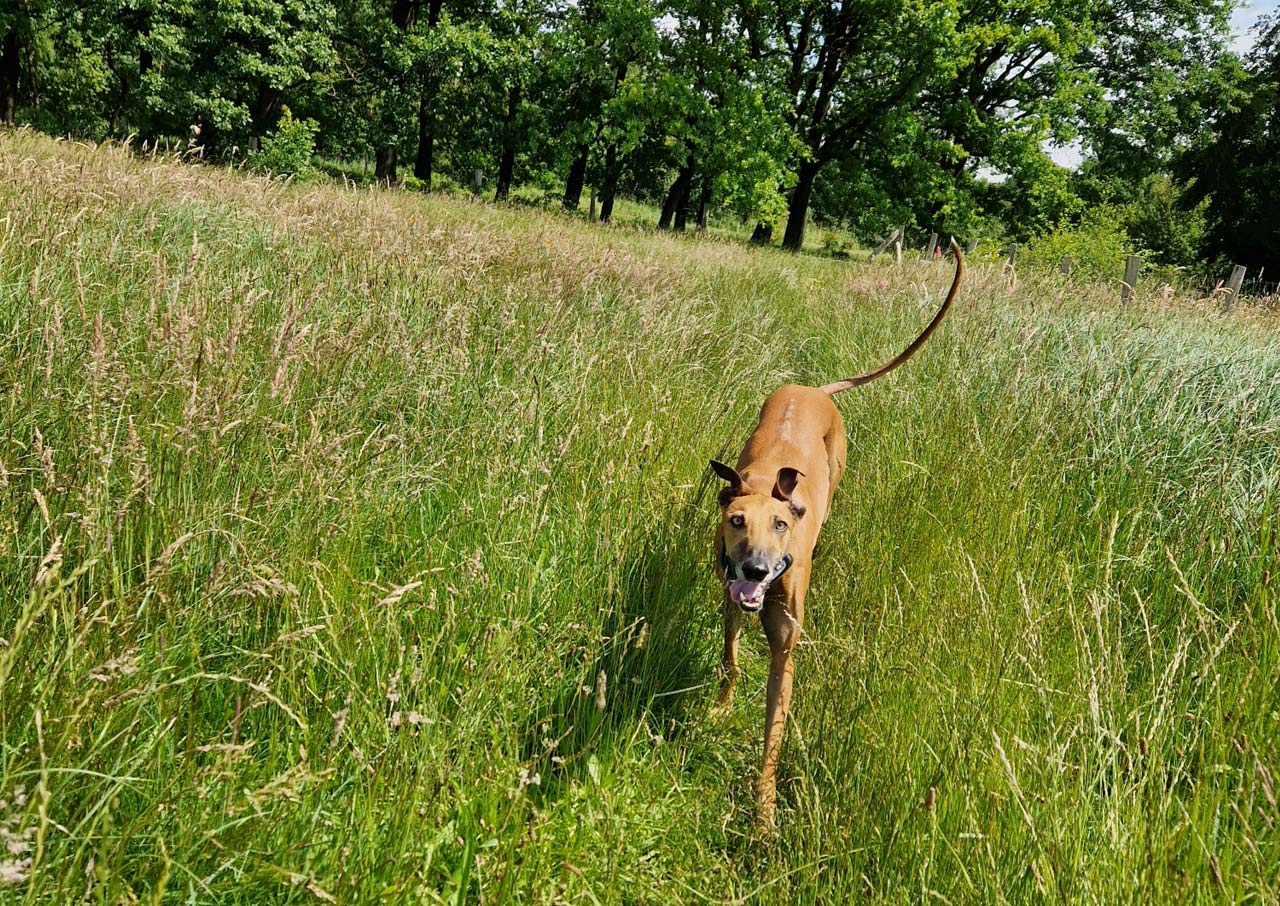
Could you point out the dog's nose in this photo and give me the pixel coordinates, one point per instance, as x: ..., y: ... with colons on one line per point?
x: 754, y: 571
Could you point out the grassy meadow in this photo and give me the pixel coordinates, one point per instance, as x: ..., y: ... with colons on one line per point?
x: 355, y: 547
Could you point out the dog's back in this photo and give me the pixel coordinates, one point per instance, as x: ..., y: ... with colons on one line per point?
x: 798, y: 428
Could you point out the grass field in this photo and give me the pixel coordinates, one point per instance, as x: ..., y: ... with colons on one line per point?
x: 354, y: 547
x: 627, y: 212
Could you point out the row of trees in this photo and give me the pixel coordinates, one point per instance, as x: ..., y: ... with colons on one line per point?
x: 864, y: 112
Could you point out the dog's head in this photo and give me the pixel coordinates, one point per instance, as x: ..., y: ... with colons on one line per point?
x: 755, y: 531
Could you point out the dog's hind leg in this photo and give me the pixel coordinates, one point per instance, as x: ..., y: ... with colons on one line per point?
x: 837, y: 452
x: 729, y: 660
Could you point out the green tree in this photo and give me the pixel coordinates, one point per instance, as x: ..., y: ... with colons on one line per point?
x: 864, y: 112
x: 722, y: 124
x: 1237, y: 174
x: 234, y: 62
x: 843, y: 68
x: 16, y: 28
x: 1160, y: 221
x: 1026, y: 73
x: 1162, y: 73
x: 519, y: 28
x: 590, y: 54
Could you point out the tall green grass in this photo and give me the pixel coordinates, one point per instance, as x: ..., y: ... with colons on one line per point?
x: 354, y: 547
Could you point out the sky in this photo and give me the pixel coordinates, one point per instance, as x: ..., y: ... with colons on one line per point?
x: 1245, y: 16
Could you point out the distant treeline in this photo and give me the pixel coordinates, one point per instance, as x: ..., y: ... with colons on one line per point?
x: 863, y: 113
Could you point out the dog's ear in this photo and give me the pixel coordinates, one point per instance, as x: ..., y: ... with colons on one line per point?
x: 784, y: 485
x: 730, y: 475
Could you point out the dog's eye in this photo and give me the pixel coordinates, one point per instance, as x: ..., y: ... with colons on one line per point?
x: 779, y: 525
x: 737, y: 521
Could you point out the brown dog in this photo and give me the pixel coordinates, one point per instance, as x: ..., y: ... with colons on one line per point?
x: 777, y: 500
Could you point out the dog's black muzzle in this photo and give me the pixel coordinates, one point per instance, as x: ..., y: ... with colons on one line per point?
x: 757, y: 605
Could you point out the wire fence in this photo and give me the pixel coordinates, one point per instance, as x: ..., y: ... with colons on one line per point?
x: 1227, y: 291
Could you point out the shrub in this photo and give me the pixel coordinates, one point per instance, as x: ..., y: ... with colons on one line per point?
x: 447, y: 185
x: 1158, y: 221
x: 1098, y: 245
x: 836, y: 243
x: 533, y: 196
x: 288, y: 150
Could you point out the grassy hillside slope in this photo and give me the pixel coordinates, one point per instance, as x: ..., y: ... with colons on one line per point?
x: 354, y: 547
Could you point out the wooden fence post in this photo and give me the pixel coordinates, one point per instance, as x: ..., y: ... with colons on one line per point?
x: 1233, y: 287
x: 477, y: 181
x: 1132, y: 265
x: 1012, y: 253
x: 593, y: 203
x: 972, y: 246
x: 1065, y: 267
x: 933, y: 246
x: 888, y: 241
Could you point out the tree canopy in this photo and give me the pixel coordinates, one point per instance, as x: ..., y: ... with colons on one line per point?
x: 861, y: 113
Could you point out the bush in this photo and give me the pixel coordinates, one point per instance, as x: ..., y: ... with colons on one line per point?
x: 836, y: 243
x: 287, y: 151
x: 447, y: 185
x: 1157, y: 220
x: 533, y: 196
x: 1098, y: 245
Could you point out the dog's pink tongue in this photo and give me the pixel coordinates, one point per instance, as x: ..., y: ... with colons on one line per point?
x: 741, y: 590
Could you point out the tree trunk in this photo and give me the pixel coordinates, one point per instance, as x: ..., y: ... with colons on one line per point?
x: 116, y: 119
x: 507, y: 165
x: 384, y: 165
x: 265, y: 109
x: 403, y: 12
x: 10, y: 76
x: 762, y: 234
x: 610, y: 187
x: 682, y: 206
x: 798, y: 208
x: 668, y: 206
x: 704, y: 204
x: 677, y: 196
x: 574, y: 182
x: 422, y: 164
x: 425, y: 158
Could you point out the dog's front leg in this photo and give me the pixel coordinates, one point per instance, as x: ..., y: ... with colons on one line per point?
x: 782, y: 628
x: 729, y: 660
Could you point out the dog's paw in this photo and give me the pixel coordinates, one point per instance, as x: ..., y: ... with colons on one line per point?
x: 766, y: 810
x: 724, y: 698
x: 722, y: 709
x: 724, y: 701
x: 767, y: 823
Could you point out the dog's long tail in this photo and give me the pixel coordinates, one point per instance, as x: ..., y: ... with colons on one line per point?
x: 868, y: 377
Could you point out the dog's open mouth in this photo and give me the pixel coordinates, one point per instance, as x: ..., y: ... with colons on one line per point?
x: 750, y: 595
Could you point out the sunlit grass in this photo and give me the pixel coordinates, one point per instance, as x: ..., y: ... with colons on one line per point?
x: 354, y: 546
